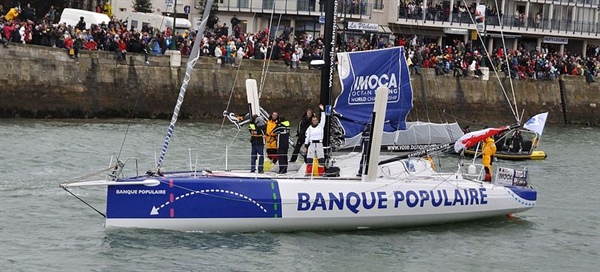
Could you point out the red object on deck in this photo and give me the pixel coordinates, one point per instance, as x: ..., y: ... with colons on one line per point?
x: 309, y: 170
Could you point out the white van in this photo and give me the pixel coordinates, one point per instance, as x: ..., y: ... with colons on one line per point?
x: 71, y: 17
x: 137, y: 20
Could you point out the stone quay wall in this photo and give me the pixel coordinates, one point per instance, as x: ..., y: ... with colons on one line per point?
x: 43, y: 82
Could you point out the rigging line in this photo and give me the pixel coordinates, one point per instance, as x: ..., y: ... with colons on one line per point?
x: 220, y: 161
x: 267, y: 62
x: 237, y: 74
x: 139, y: 93
x: 423, y: 103
x: 263, y: 72
x: 442, y: 118
x: 84, y: 202
x: 464, y: 120
x: 246, y: 42
x: 417, y: 50
x: 233, y: 86
x: 190, y: 66
x: 87, y: 176
x: 507, y: 64
x: 514, y: 110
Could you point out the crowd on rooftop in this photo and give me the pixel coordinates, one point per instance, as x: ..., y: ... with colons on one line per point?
x: 457, y: 58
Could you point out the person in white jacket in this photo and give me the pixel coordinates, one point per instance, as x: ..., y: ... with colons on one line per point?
x: 314, y: 137
x: 219, y: 54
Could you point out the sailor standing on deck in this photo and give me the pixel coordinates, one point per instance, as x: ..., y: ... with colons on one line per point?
x: 487, y: 151
x: 301, y: 133
x: 314, y: 137
x: 365, y: 139
x: 283, y: 143
x: 271, y: 137
x: 257, y: 130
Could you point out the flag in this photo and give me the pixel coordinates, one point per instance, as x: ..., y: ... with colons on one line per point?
x: 472, y: 138
x: 537, y: 123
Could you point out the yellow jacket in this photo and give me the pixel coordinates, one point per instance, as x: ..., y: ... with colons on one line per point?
x: 12, y: 14
x: 108, y: 10
x: 488, y: 150
x: 271, y: 138
x: 489, y: 147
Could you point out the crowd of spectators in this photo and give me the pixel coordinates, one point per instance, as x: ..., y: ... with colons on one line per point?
x: 457, y: 58
x: 462, y: 59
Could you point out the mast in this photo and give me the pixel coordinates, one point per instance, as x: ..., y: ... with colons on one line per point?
x: 328, y: 69
x: 194, y: 55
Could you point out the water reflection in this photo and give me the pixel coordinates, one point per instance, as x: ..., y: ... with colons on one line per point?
x: 165, y: 239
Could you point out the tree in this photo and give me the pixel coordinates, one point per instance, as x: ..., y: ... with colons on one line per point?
x: 142, y: 6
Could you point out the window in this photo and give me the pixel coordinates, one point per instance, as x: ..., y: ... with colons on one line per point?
x: 311, y: 28
x: 243, y: 3
x: 268, y: 4
x: 134, y: 24
x: 378, y: 4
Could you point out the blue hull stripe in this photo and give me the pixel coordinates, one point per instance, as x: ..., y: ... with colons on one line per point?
x: 197, y: 198
x: 524, y: 192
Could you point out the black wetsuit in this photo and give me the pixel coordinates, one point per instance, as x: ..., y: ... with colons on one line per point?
x: 301, y: 133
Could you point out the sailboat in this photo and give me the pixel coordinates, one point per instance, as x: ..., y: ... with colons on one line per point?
x: 390, y: 193
x: 525, y: 148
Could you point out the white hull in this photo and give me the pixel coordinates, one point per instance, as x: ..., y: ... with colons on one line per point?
x: 245, y: 202
x: 304, y: 224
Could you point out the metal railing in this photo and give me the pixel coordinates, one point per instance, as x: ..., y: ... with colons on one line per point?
x: 508, y: 22
x: 356, y: 9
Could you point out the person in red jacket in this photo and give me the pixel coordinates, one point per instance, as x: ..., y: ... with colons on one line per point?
x: 7, y: 30
x: 68, y: 45
x: 121, y: 48
x: 91, y: 45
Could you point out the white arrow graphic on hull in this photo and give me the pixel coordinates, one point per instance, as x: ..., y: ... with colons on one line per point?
x: 155, y: 210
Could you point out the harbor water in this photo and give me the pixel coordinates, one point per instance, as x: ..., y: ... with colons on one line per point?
x: 43, y: 228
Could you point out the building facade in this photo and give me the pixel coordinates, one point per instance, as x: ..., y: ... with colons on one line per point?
x: 563, y: 25
x: 164, y: 7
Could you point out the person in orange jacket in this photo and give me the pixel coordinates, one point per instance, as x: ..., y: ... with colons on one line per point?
x: 487, y: 151
x: 271, y: 137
